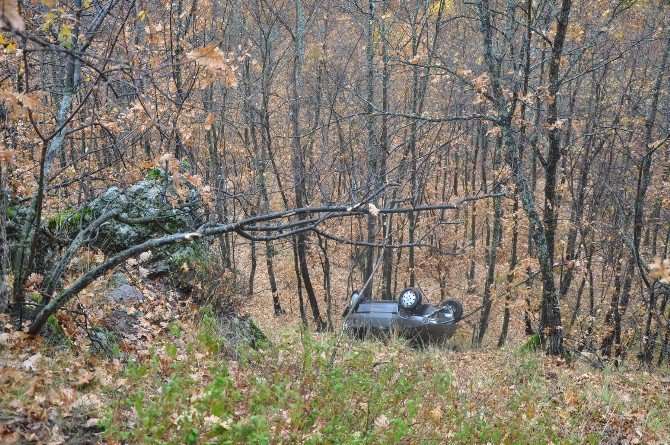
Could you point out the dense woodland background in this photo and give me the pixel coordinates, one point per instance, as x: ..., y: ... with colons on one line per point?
x: 511, y: 154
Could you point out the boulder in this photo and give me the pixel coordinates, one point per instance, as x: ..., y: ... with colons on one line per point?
x: 158, y: 269
x: 240, y: 332
x: 121, y: 292
x: 125, y: 294
x: 121, y: 323
x: 145, y: 199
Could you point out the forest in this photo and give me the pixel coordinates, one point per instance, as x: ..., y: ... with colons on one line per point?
x: 191, y: 191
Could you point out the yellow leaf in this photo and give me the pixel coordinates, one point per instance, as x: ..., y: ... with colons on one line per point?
x: 65, y: 34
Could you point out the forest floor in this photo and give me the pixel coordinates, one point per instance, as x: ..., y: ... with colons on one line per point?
x: 181, y: 381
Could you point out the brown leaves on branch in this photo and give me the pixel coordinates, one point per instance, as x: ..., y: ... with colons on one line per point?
x: 212, y: 58
x: 209, y: 56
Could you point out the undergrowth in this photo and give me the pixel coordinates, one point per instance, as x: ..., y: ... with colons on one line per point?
x: 188, y: 392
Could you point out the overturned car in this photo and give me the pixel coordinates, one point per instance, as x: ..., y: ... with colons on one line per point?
x: 407, y: 317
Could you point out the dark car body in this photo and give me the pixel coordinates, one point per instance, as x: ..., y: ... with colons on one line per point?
x: 426, y: 324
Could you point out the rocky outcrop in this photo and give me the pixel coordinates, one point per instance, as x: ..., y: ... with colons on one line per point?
x: 145, y: 212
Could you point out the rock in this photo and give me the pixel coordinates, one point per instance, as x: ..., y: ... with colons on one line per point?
x: 120, y: 323
x: 147, y: 199
x: 125, y: 294
x: 144, y: 199
x: 240, y: 332
x: 117, y: 280
x: 158, y: 269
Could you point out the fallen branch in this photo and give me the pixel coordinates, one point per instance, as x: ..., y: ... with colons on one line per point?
x: 242, y: 228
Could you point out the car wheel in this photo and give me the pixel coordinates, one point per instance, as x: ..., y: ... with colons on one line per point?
x: 354, y: 300
x: 410, y: 298
x: 453, y: 306
x: 355, y: 296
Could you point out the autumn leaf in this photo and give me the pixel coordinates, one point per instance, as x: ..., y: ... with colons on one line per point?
x: 558, y: 125
x: 30, y: 101
x: 144, y: 256
x: 209, y: 56
x: 57, y: 438
x: 10, y: 17
x: 382, y: 422
x: 8, y: 157
x: 92, y: 422
x: 660, y: 270
x: 31, y: 363
x: 571, y: 398
x: 481, y: 83
x: 415, y: 60
x: 436, y: 413
x: 209, y: 121
x: 494, y: 131
x: 84, y: 379
x: 34, y: 279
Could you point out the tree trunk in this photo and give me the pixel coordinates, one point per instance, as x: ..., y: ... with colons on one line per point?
x: 297, y: 160
x: 493, y: 253
x: 371, y: 149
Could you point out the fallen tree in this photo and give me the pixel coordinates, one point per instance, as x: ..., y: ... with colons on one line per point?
x: 266, y: 227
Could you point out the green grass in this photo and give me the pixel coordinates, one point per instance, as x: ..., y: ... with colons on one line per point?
x: 375, y: 393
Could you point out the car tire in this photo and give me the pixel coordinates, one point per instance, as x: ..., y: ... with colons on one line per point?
x: 356, y: 298
x: 455, y: 306
x: 410, y: 298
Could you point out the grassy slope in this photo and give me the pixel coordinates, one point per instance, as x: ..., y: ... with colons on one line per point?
x: 185, y: 388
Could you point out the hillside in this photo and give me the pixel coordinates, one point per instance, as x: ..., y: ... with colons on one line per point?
x: 334, y: 221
